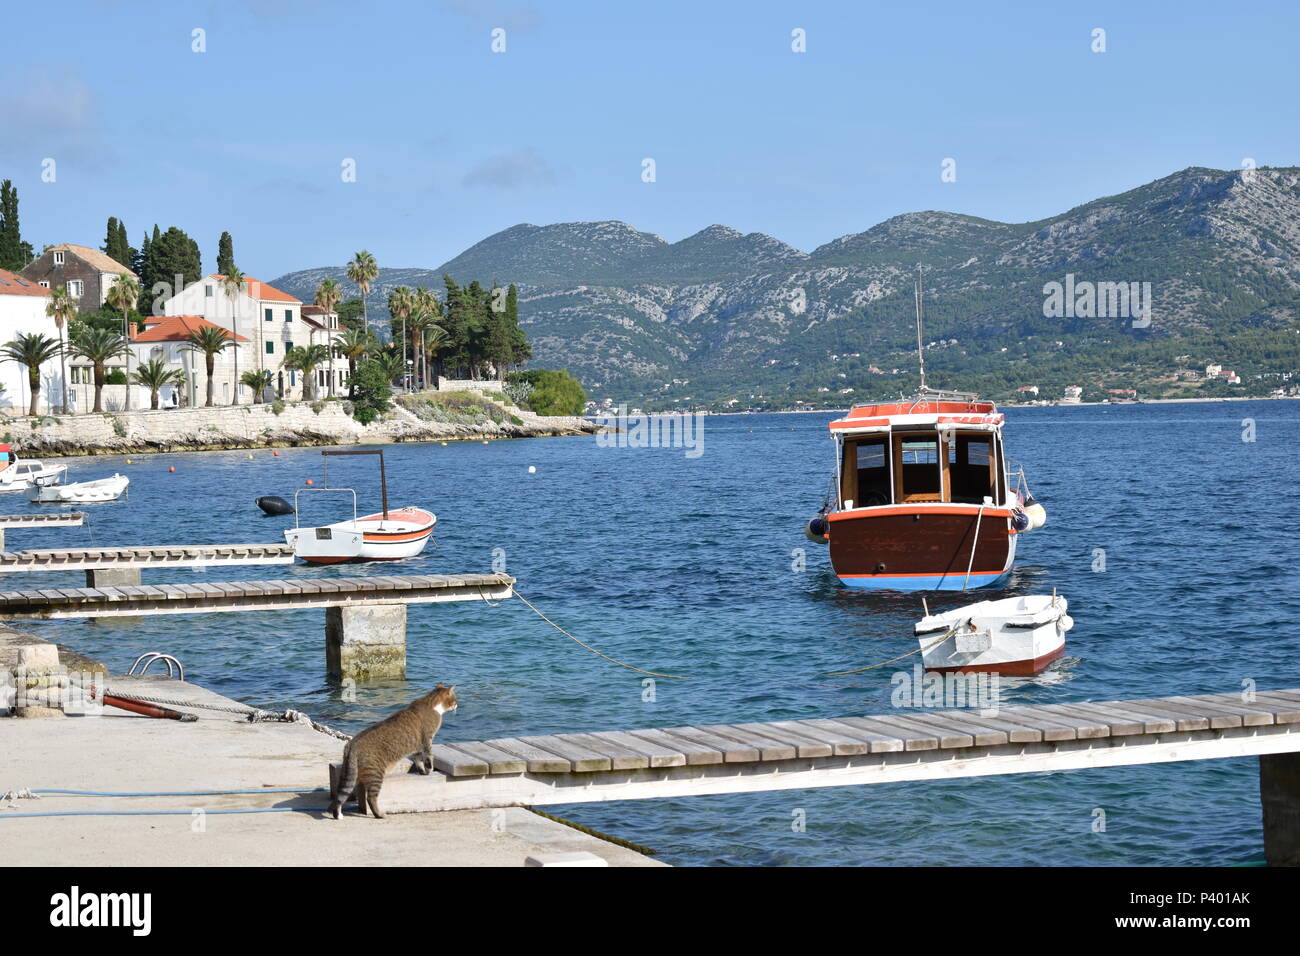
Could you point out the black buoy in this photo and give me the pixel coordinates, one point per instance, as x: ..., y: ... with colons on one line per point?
x: 274, y: 505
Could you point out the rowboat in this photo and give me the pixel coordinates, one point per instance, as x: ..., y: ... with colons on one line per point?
x: 101, y: 489
x: 1019, y: 635
x: 387, y: 535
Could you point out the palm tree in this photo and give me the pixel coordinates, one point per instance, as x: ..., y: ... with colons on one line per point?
x: 211, y: 340
x: 260, y: 381
x: 33, y: 350
x: 154, y: 375
x: 363, y: 270
x: 391, y: 363
x: 63, y: 308
x: 232, y: 283
x: 124, y: 294
x: 400, y: 303
x: 306, y: 359
x: 432, y: 339
x: 353, y: 344
x: 426, y: 303
x: 328, y: 296
x: 97, y: 346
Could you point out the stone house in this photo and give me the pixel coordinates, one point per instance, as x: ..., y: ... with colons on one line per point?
x: 87, y: 273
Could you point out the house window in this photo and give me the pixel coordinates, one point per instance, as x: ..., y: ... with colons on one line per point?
x: 288, y: 345
x: 207, y: 291
x: 45, y: 283
x: 58, y: 258
x: 270, y: 348
x: 269, y: 317
x: 75, y: 288
x: 288, y: 315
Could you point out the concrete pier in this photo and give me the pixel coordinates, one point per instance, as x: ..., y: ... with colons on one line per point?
x: 1279, y: 792
x: 366, y: 641
x: 112, y: 577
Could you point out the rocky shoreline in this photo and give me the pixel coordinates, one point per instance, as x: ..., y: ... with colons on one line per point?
x: 255, y: 426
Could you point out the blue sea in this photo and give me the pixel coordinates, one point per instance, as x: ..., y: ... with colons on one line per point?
x: 1172, y: 537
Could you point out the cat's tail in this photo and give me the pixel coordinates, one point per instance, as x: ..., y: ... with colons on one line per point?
x: 346, y: 784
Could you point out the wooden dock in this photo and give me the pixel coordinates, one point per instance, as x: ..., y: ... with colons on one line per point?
x: 365, y: 617
x: 135, y: 559
x: 904, y: 745
x: 36, y: 519
x: 208, y: 598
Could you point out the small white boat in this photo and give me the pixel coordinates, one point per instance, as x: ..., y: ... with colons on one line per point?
x: 101, y: 489
x: 17, y: 475
x: 1012, y: 636
x: 388, y: 535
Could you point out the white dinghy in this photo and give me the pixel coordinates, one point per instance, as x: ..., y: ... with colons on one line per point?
x: 1020, y: 635
x: 78, y: 492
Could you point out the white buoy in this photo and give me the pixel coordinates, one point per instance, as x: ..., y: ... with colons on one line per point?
x: 532, y: 469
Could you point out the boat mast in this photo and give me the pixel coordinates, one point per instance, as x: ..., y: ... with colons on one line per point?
x: 918, y: 295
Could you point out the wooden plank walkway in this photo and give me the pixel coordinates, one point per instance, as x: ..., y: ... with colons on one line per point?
x: 126, y: 601
x: 844, y: 751
x: 172, y: 556
x: 36, y: 519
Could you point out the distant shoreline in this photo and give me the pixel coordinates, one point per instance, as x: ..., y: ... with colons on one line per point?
x: 1145, y: 401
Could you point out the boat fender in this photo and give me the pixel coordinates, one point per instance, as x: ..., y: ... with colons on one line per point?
x: 1019, y: 520
x: 1064, y: 623
x: 815, y: 530
x: 274, y: 505
x: 1037, y: 514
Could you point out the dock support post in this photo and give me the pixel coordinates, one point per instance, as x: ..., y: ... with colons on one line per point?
x: 113, y: 577
x: 1279, y: 792
x: 366, y: 641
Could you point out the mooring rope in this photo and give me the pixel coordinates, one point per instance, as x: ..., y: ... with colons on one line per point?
x: 612, y: 660
x: 925, y: 647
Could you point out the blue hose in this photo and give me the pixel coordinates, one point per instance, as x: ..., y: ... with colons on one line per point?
x: 155, y: 813
x: 180, y: 793
x: 163, y: 793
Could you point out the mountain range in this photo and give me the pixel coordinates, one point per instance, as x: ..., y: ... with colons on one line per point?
x: 725, y: 317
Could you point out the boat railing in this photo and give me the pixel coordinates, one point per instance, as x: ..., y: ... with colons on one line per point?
x: 297, y: 512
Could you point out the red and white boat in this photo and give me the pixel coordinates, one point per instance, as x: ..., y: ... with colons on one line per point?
x: 388, y: 535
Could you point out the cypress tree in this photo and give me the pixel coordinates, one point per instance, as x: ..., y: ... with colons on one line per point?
x: 225, y: 254
x: 14, y: 253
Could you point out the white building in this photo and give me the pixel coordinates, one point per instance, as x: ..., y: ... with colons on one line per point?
x: 167, y: 338
x: 22, y: 309
x: 269, y: 322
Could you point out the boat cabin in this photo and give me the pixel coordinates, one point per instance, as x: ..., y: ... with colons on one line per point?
x: 920, y: 452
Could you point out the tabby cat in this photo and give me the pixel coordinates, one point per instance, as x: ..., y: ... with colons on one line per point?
x: 371, y: 753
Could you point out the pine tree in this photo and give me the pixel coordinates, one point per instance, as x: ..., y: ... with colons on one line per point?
x: 225, y: 254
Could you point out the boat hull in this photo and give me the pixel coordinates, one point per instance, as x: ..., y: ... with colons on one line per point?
x: 922, y: 548
x: 403, y: 534
x: 1016, y: 636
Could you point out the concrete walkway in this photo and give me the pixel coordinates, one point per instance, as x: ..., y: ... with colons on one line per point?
x: 119, y: 751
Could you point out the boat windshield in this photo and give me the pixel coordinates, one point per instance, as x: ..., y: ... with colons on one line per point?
x: 920, y: 466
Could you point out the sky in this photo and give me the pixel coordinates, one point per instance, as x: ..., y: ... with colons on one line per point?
x: 451, y: 141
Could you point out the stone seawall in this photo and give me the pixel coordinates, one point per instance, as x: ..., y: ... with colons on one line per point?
x: 249, y: 426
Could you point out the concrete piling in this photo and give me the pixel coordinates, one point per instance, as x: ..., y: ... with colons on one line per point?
x: 112, y: 577
x: 1279, y: 792
x: 366, y: 641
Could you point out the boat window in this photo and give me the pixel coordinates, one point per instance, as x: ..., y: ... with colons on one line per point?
x: 972, y: 470
x: 866, y: 473
x: 918, y: 472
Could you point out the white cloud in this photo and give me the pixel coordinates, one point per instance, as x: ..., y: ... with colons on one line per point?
x: 520, y: 168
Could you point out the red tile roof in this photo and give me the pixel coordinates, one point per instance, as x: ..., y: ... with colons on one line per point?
x: 260, y: 290
x: 174, y: 328
x: 13, y: 284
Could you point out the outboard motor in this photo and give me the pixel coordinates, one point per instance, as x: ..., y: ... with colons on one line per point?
x: 274, y: 505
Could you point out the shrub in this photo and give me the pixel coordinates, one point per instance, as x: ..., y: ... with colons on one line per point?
x: 317, y: 407
x: 371, y: 391
x: 552, y: 392
x: 115, y: 376
x: 277, y: 406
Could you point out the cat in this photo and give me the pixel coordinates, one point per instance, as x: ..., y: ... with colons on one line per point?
x: 371, y: 753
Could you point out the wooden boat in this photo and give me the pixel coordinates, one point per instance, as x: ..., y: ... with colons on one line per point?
x: 1020, y: 635
x: 924, y: 497
x: 17, y: 474
x: 101, y: 489
x: 388, y: 535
